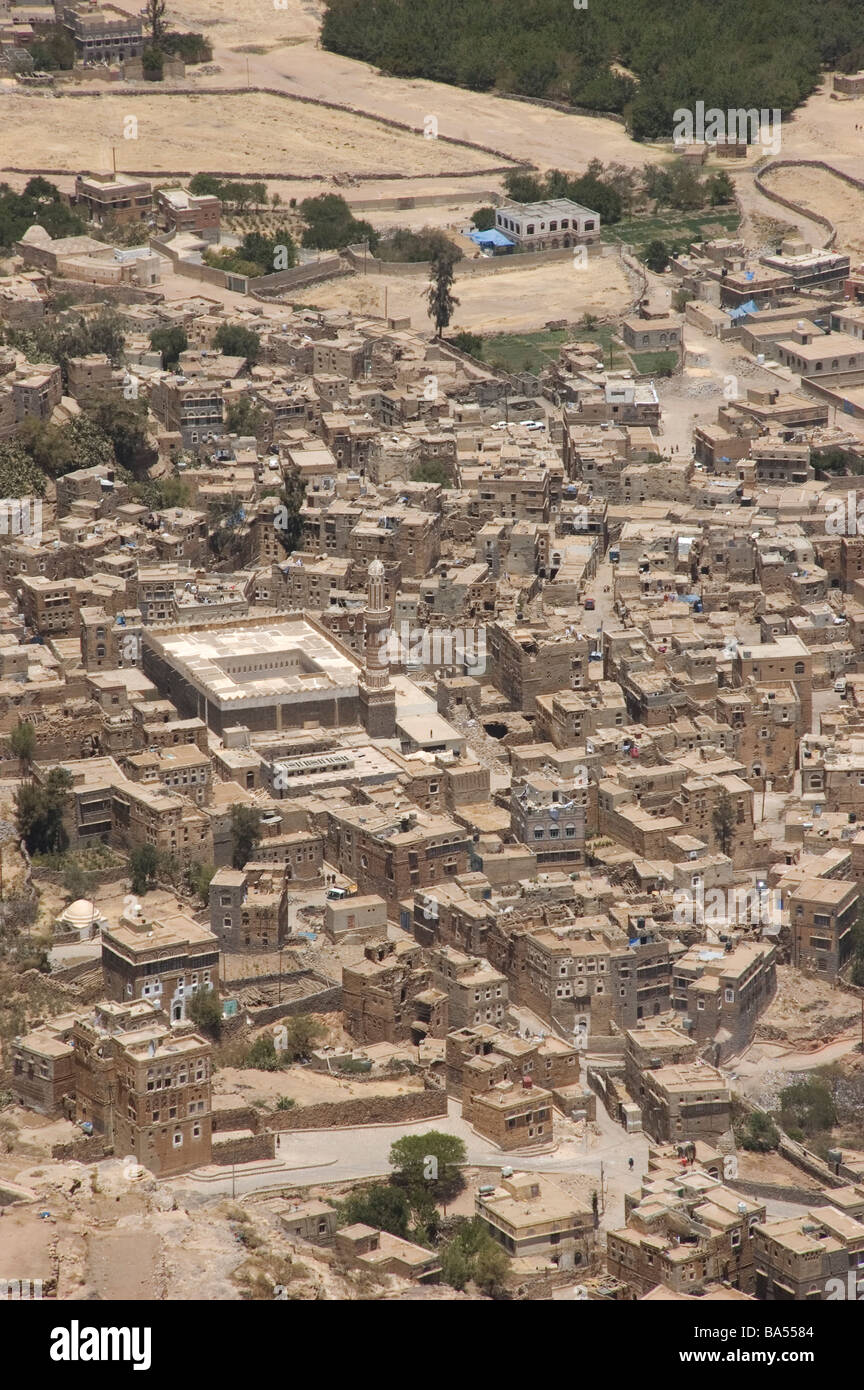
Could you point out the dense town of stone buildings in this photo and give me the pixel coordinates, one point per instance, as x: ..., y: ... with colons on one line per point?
x: 508, y: 715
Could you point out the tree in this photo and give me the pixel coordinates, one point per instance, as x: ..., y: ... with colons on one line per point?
x: 262, y: 1054
x: 205, y: 1011
x: 124, y: 423
x: 236, y: 341
x: 807, y: 1107
x: 656, y: 256
x: 20, y: 475
x: 22, y: 745
x: 302, y: 1034
x: 440, y: 297
x: 143, y: 863
x: 723, y: 821
x: 382, y: 1206
x: 429, y: 1161
x: 170, y: 342
x: 75, y: 883
x: 331, y: 225
x: 245, y: 417
x: 199, y: 879
x: 205, y: 186
x: 245, y: 834
x: 154, y: 20
x: 288, y: 519
x: 153, y: 62
x: 472, y: 343
x: 484, y: 219
x: 39, y: 812
x: 472, y: 1255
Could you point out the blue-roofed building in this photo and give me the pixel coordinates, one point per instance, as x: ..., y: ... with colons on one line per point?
x: 493, y: 240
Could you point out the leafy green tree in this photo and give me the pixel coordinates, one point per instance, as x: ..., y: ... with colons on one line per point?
x: 205, y: 1011
x: 200, y: 876
x: 302, y: 1035
x: 807, y: 1107
x: 245, y: 834
x: 468, y: 342
x: 236, y: 341
x: 75, y: 883
x: 288, y: 517
x: 39, y: 812
x: 440, y: 295
x: 20, y: 475
x: 723, y: 821
x: 382, y: 1206
x: 205, y: 186
x: 153, y: 63
x: 22, y: 745
x: 473, y: 1256
x: 429, y: 244
x: 429, y: 1161
x: 170, y: 341
x: 245, y: 417
x: 124, y: 423
x: 757, y: 1132
x: 484, y: 219
x: 143, y: 863
x: 656, y: 256
x: 331, y: 226
x: 262, y: 1055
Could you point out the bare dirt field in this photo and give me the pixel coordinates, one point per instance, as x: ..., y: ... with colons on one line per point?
x: 247, y: 132
x: 827, y: 194
x: 290, y: 59
x: 306, y: 1087
x: 502, y: 302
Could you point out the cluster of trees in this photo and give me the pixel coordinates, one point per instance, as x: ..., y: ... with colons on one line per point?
x: 426, y: 245
x: 192, y: 48
x: 40, y: 202
x: 53, y: 50
x: 426, y: 1176
x: 598, y: 188
x: 257, y: 254
x: 110, y: 432
x: 644, y: 59
x: 615, y: 191
x: 58, y: 339
x: 239, y: 196
x: 675, y: 185
x: 331, y: 225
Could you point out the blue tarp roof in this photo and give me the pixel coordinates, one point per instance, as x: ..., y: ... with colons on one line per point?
x: 751, y: 307
x: 491, y: 238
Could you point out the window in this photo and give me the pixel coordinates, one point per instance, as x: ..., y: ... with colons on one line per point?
x: 178, y: 1138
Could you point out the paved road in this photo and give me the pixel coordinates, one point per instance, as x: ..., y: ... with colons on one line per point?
x: 324, y: 1156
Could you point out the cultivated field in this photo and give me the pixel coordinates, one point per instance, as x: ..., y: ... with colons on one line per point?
x: 241, y: 132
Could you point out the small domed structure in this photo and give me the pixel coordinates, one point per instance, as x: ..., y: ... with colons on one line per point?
x: 81, y: 919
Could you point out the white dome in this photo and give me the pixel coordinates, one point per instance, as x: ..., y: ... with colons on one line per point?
x: 80, y: 914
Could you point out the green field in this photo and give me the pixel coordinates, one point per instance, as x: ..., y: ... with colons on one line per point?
x: 524, y: 352
x: 652, y: 363
x: 674, y: 228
